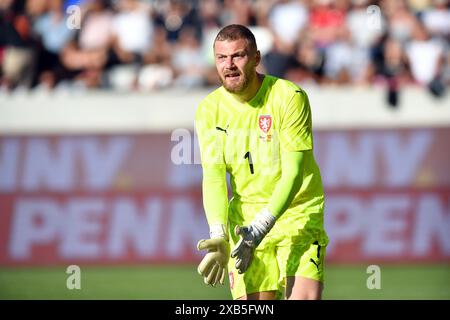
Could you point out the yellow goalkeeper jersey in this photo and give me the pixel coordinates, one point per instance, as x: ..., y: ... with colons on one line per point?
x: 249, y: 138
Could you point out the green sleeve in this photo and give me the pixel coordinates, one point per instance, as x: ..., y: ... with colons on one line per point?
x: 289, y: 183
x: 296, y: 125
x: 215, y: 194
x: 214, y: 183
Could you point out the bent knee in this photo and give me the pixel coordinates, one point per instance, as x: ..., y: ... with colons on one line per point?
x: 305, y: 295
x: 300, y: 288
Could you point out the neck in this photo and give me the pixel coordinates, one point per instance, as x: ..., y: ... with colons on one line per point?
x: 252, y: 89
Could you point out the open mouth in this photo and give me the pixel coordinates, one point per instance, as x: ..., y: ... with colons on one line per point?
x: 232, y: 76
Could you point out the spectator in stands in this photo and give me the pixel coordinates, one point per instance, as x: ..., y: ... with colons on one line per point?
x: 157, y: 71
x: 437, y: 19
x: 52, y: 29
x: 417, y: 7
x: 96, y: 31
x: 426, y: 60
x: 187, y: 60
x: 325, y: 21
x: 132, y: 31
x: 16, y: 46
x: 237, y: 11
x: 261, y: 10
x: 88, y: 54
x: 35, y: 8
x: 148, y: 44
x: 390, y: 64
x: 400, y: 21
x: 362, y: 34
x: 209, y: 12
x: 308, y: 63
x: 132, y: 38
x: 160, y: 50
x: 176, y: 15
x: 344, y: 63
x: 286, y: 20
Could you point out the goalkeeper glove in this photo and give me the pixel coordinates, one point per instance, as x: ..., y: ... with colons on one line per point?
x: 251, y: 237
x: 214, y: 263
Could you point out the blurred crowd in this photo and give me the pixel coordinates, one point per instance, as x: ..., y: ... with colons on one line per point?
x: 152, y: 44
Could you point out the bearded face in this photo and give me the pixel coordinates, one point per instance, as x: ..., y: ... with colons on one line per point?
x: 235, y: 64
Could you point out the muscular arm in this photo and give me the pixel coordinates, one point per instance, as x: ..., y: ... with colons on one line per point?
x: 289, y: 183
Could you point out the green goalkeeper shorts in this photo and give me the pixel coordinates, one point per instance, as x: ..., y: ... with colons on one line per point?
x: 272, y: 264
x: 294, y: 247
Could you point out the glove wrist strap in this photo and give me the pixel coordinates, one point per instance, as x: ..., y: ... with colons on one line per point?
x: 264, y: 221
x: 218, y: 231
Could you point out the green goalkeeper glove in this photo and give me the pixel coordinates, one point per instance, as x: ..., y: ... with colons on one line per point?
x: 251, y: 237
x: 214, y: 264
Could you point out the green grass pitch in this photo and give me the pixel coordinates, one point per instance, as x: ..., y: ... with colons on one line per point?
x: 182, y: 282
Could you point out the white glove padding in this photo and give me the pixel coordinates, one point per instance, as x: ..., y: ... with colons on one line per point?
x: 251, y: 237
x: 214, y: 263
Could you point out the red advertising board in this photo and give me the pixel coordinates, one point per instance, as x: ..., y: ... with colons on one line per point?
x: 125, y: 199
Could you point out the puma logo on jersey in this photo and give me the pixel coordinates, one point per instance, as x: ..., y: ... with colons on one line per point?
x: 315, y: 263
x: 224, y: 130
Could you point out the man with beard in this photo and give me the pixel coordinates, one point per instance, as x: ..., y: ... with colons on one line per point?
x: 258, y: 128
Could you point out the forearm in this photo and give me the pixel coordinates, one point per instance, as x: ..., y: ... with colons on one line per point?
x: 215, y: 195
x: 288, y: 185
x: 213, y: 266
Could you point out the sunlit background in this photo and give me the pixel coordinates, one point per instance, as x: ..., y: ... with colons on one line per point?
x: 99, y: 165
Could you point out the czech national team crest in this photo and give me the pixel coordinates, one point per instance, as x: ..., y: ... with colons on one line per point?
x: 265, y: 123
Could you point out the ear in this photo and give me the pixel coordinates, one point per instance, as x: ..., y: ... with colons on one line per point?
x: 258, y: 57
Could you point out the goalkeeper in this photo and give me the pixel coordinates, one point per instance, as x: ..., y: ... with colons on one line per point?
x: 270, y: 235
